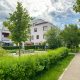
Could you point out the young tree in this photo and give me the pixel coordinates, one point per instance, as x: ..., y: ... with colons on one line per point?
x: 71, y: 36
x: 18, y: 24
x: 53, y: 38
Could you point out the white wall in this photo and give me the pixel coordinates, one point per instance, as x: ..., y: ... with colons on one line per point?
x: 39, y: 32
x: 0, y: 35
x: 5, y: 30
x: 1, y: 26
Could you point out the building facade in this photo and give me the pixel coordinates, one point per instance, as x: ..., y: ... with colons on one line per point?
x: 4, y: 36
x: 38, y: 29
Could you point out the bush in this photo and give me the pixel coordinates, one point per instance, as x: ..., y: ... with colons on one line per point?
x: 3, y: 52
x: 74, y: 50
x: 27, y: 67
x: 26, y: 47
x: 10, y: 47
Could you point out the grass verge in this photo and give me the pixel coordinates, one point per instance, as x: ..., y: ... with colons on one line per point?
x: 54, y: 72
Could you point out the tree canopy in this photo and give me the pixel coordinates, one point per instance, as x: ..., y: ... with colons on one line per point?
x: 70, y: 35
x: 53, y: 37
x: 76, y: 6
x: 18, y: 24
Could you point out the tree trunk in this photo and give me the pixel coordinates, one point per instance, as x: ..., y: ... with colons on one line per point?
x: 23, y: 47
x: 19, y: 50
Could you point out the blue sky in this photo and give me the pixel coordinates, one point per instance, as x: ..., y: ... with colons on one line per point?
x: 59, y: 12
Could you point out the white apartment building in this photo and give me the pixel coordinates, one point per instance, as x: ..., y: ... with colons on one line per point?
x: 4, y: 34
x: 38, y: 29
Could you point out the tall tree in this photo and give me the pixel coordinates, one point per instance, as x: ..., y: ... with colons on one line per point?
x: 53, y: 37
x: 71, y: 36
x: 18, y: 24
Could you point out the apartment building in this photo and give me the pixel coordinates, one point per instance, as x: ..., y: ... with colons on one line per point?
x: 4, y: 36
x: 38, y: 29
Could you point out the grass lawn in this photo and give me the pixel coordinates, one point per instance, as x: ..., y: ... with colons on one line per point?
x: 54, y: 72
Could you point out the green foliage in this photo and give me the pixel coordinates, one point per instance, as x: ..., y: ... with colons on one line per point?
x: 53, y: 37
x: 3, y: 52
x: 71, y: 36
x: 26, y: 47
x: 76, y: 50
x: 79, y: 34
x: 12, y: 51
x: 76, y: 7
x: 28, y: 67
x: 55, y: 71
x: 18, y: 24
x: 10, y: 47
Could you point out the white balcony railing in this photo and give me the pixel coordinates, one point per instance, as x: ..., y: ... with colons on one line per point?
x: 7, y: 40
x: 5, y: 30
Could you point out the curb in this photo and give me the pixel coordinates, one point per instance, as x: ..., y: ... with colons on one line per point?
x: 66, y: 69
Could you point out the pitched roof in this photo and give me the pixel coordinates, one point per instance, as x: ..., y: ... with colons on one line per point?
x: 39, y: 21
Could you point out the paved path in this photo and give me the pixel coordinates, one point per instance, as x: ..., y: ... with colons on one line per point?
x: 73, y: 70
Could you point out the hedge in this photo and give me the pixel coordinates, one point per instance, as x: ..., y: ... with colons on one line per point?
x: 3, y: 52
x: 26, y: 47
x: 74, y: 50
x: 10, y: 47
x: 28, y: 67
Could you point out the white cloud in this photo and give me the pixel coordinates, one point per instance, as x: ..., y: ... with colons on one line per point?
x: 35, y: 7
x: 47, y: 9
x: 38, y: 7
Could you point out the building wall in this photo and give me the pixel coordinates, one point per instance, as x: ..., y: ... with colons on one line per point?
x: 0, y: 35
x: 39, y: 32
x: 4, y: 34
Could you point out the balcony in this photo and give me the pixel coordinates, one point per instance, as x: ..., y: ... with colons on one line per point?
x: 6, y: 40
x: 5, y: 30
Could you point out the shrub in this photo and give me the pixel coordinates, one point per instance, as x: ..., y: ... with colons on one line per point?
x: 26, y: 47
x: 12, y: 51
x: 27, y: 67
x: 74, y: 50
x: 3, y: 52
x: 10, y: 47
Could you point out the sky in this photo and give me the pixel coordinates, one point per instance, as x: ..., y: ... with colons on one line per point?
x: 58, y: 12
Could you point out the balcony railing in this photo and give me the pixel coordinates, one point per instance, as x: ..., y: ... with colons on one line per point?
x: 7, y: 40
x: 5, y: 30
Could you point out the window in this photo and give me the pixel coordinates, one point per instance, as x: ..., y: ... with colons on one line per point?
x: 33, y: 24
x: 32, y: 37
x: 44, y: 37
x: 35, y: 29
x: 37, y: 37
x: 44, y: 28
x: 5, y: 34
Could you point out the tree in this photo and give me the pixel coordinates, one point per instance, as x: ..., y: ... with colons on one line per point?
x: 53, y: 38
x: 79, y: 34
x: 76, y: 7
x: 70, y: 36
x: 18, y: 24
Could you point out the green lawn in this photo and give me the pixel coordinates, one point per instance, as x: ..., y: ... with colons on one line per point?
x: 54, y: 72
